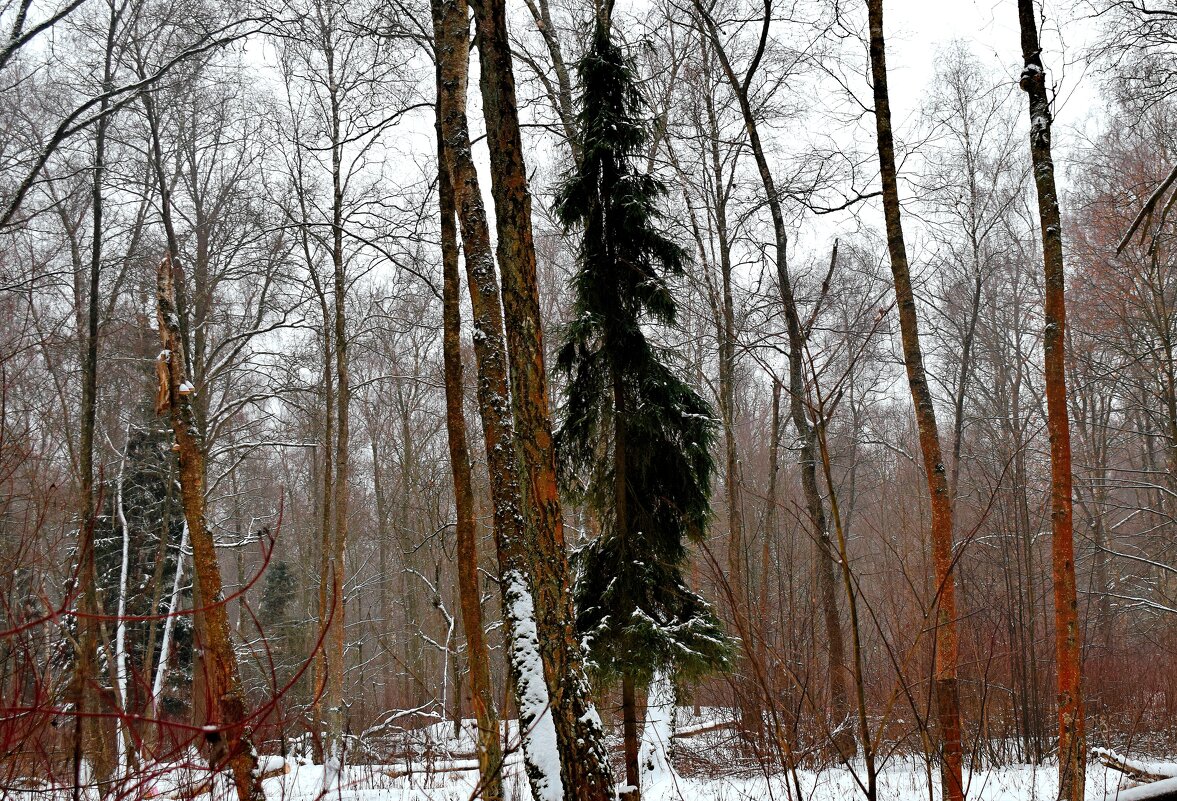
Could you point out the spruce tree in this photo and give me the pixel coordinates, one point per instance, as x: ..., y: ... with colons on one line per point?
x: 635, y: 439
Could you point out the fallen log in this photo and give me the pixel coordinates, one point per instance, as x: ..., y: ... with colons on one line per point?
x: 1137, y: 770
x: 702, y: 728
x: 1164, y: 790
x: 444, y: 767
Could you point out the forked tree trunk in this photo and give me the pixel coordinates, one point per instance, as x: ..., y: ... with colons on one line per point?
x: 827, y: 558
x: 225, y: 732
x: 1072, y: 746
x: 490, y: 751
x: 946, y: 645
x: 584, y: 765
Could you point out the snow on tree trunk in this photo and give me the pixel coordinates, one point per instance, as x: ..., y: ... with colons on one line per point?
x: 537, y: 729
x: 332, y: 766
x: 582, y: 754
x: 657, y: 773
x: 120, y: 635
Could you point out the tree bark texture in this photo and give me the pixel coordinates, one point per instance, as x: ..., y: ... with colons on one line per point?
x: 490, y: 752
x: 1072, y: 746
x: 583, y: 762
x: 513, y: 545
x: 226, y: 732
x: 946, y: 641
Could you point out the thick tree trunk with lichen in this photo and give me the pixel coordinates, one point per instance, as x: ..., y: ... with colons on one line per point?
x: 226, y: 731
x: 946, y: 645
x: 489, y: 747
x: 1072, y: 746
x: 514, y: 545
x: 584, y: 765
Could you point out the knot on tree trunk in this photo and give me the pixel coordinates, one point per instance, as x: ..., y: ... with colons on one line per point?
x: 1031, y: 74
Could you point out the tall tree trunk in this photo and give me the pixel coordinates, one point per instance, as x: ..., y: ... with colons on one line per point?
x: 1072, y: 746
x: 962, y: 382
x: 946, y: 645
x: 770, y: 517
x: 225, y: 732
x: 324, y: 505
x: 561, y: 93
x: 531, y: 689
x: 629, y: 732
x: 383, y: 536
x: 828, y: 559
x: 336, y: 636
x: 723, y: 310
x: 157, y: 588
x: 89, y: 741
x: 868, y: 752
x: 124, y: 743
x: 584, y: 765
x: 629, y: 719
x: 490, y: 751
x: 165, y: 643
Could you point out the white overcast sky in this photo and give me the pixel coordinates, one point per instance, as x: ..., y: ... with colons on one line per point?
x: 916, y: 29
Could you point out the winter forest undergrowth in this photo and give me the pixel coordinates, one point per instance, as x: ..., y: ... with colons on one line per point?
x: 575, y: 400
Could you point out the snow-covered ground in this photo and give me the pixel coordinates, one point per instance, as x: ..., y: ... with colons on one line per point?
x: 437, y: 766
x: 900, y: 781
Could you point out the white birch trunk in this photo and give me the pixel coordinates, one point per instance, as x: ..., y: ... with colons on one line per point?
x: 120, y: 635
x: 165, y: 646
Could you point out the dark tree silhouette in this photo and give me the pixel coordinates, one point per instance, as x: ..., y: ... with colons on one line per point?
x: 636, y: 439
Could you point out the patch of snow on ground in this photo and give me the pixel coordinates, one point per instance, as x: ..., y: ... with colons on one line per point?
x: 901, y: 780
